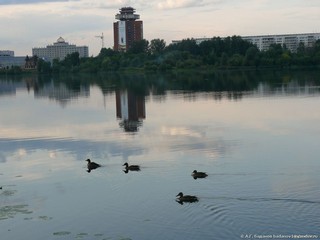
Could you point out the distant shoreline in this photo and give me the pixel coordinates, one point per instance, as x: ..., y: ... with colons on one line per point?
x: 16, y: 71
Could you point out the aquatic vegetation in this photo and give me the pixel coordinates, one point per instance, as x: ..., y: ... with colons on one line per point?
x: 81, y: 235
x: 10, y: 211
x: 45, y: 218
x: 62, y: 233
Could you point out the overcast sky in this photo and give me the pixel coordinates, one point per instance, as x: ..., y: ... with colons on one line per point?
x: 25, y: 24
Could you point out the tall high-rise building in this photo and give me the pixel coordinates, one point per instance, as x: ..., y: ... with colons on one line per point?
x: 127, y: 29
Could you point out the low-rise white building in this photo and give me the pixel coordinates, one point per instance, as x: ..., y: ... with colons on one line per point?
x: 263, y: 42
x: 59, y: 50
x: 291, y: 41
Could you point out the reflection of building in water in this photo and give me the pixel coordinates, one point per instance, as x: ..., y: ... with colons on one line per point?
x: 130, y: 109
x: 7, y: 88
x: 10, y: 87
x: 61, y: 92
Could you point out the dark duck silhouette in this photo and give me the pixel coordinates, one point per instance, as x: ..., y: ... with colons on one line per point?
x: 186, y: 198
x: 195, y: 174
x: 92, y: 165
x: 131, y: 167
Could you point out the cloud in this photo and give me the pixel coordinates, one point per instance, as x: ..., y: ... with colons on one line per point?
x: 78, y: 21
x: 70, y: 20
x: 79, y: 148
x: 171, y: 4
x: 20, y: 2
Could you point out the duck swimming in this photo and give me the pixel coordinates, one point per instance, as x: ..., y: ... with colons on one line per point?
x: 195, y: 174
x: 92, y: 165
x: 131, y: 167
x: 186, y: 198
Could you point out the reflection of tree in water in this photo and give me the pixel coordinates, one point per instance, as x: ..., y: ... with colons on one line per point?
x: 230, y: 84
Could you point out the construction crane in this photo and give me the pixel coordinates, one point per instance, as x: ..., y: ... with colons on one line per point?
x: 102, y: 40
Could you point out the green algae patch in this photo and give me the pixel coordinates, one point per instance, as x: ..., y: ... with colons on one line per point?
x: 45, y: 218
x: 62, y: 233
x: 81, y: 235
x: 7, y: 212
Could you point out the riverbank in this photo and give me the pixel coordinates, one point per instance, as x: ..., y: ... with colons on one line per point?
x: 17, y: 71
x: 203, y: 69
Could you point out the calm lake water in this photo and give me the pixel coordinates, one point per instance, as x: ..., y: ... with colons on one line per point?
x: 256, y: 134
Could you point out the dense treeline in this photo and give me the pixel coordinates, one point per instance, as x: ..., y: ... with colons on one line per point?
x: 230, y: 52
x: 13, y: 70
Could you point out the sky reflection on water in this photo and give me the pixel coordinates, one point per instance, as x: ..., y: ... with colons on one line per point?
x: 256, y: 136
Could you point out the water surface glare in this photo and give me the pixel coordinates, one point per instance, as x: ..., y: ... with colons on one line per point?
x: 256, y: 135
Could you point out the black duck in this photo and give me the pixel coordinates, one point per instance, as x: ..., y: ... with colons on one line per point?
x: 131, y: 167
x: 195, y: 174
x: 186, y: 198
x: 92, y: 165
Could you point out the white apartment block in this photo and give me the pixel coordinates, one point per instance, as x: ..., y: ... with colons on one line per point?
x: 263, y: 42
x: 59, y: 50
x: 291, y: 41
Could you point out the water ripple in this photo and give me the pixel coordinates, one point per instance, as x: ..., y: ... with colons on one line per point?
x: 264, y: 199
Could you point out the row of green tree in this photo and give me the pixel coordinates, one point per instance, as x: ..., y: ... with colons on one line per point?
x: 215, y: 53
